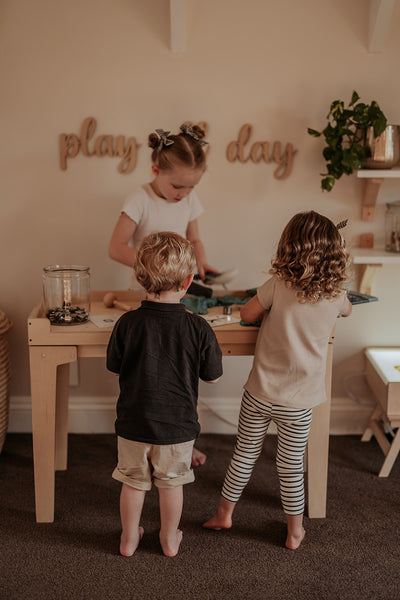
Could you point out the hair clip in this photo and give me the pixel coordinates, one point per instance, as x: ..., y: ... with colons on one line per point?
x: 164, y: 139
x: 342, y: 224
x: 188, y: 130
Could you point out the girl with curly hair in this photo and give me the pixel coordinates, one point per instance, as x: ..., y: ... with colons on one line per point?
x: 298, y: 306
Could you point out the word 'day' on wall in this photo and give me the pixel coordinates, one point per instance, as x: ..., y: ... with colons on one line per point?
x: 243, y: 151
x: 102, y: 145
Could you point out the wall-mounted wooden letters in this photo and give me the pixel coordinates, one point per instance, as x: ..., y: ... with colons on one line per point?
x: 103, y: 145
x: 240, y: 150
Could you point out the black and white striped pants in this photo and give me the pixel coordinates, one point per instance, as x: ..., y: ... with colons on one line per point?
x: 293, y: 427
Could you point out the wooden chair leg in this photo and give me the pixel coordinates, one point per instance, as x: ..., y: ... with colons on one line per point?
x: 391, y: 456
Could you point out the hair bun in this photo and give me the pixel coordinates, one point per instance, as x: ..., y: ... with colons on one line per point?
x: 199, y: 131
x: 153, y: 141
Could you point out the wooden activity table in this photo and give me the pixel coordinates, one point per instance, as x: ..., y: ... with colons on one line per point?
x: 53, y: 347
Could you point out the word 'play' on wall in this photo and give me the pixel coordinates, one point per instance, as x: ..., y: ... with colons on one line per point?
x: 240, y: 150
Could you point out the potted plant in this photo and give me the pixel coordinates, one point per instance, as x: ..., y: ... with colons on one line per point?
x: 345, y: 135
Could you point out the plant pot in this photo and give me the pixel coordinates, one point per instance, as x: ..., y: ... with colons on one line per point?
x: 383, y: 151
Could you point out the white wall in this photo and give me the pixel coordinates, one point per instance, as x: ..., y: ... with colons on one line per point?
x: 276, y: 65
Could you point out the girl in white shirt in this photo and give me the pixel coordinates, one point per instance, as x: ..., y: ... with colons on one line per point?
x: 168, y: 202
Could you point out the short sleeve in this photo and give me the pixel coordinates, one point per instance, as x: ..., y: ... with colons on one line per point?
x: 134, y: 205
x: 265, y: 293
x: 211, y: 356
x: 114, y: 350
x: 195, y: 207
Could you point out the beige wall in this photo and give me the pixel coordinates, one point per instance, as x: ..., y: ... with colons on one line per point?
x: 276, y: 65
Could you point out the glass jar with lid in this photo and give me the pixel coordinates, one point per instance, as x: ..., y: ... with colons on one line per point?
x: 393, y: 227
x: 66, y: 293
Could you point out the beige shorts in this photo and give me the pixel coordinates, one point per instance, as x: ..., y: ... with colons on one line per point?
x: 140, y: 465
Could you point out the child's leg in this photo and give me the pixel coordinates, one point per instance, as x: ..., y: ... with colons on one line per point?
x: 171, y: 503
x: 252, y: 429
x: 296, y: 531
x: 131, y: 504
x: 293, y: 430
x: 223, y: 518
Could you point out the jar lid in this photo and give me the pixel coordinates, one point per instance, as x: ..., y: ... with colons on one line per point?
x: 5, y: 323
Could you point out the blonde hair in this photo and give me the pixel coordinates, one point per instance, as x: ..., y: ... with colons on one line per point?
x: 311, y: 257
x: 185, y: 150
x: 163, y: 261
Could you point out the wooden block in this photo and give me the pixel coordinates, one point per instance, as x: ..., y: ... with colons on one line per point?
x: 367, y: 240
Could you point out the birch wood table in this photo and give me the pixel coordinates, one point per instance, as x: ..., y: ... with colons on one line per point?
x: 53, y: 347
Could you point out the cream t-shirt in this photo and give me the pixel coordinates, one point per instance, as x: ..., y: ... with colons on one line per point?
x: 290, y: 356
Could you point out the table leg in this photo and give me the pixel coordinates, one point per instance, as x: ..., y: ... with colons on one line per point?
x: 44, y: 361
x: 318, y: 450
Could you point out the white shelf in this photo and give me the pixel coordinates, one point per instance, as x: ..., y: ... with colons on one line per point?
x: 370, y: 260
x: 372, y: 256
x: 379, y: 173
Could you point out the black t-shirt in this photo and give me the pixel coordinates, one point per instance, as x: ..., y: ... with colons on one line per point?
x: 160, y: 351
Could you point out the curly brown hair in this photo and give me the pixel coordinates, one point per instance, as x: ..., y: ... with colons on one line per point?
x: 163, y: 261
x: 185, y: 150
x: 311, y: 257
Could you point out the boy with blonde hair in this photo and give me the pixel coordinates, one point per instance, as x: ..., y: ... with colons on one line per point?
x: 160, y: 351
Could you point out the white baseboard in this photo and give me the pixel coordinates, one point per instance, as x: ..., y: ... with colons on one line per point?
x: 97, y: 415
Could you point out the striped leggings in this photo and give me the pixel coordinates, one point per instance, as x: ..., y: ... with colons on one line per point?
x: 293, y: 427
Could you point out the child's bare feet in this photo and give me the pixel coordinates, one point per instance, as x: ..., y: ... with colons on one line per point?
x: 128, y: 546
x: 223, y: 518
x: 293, y: 541
x: 170, y: 547
x: 218, y: 522
x: 198, y: 458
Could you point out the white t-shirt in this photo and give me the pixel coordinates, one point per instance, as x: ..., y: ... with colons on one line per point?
x: 152, y: 213
x: 292, y: 344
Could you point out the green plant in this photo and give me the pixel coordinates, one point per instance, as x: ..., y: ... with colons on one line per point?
x: 345, y: 148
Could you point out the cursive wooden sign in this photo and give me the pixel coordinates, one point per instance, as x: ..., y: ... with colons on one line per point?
x: 102, y: 145
x: 239, y: 150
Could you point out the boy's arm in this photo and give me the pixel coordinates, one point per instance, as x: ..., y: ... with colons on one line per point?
x: 212, y: 381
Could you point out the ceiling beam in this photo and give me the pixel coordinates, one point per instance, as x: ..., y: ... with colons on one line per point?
x: 177, y: 10
x: 380, y: 13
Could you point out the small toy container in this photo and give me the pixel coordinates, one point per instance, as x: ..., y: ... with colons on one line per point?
x: 393, y: 227
x: 66, y: 293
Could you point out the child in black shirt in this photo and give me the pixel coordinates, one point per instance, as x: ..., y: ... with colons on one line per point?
x: 160, y: 352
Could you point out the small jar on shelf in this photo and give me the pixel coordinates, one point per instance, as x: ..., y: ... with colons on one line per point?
x: 393, y: 227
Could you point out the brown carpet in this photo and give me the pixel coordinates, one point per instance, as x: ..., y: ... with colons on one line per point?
x: 352, y: 554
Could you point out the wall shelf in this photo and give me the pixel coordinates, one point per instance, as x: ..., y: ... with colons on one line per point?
x: 373, y: 179
x: 370, y: 260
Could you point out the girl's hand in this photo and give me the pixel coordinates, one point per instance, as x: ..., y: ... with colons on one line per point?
x: 205, y: 268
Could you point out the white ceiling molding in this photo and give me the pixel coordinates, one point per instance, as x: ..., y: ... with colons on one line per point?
x: 177, y: 9
x: 380, y: 13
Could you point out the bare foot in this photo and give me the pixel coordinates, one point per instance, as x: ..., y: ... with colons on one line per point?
x: 294, y: 541
x: 218, y: 522
x: 171, y: 547
x: 128, y: 547
x: 198, y: 458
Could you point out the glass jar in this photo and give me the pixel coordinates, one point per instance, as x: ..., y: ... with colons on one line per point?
x: 393, y: 227
x: 66, y: 292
